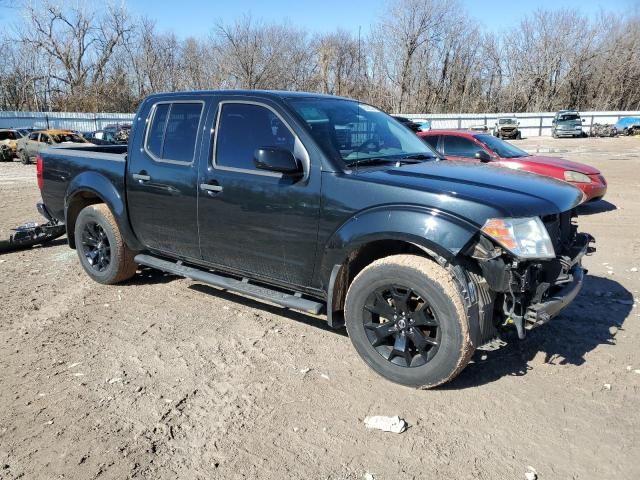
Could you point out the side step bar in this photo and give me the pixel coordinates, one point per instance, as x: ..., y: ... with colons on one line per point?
x: 243, y: 286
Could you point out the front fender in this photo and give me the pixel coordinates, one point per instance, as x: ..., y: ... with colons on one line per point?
x: 96, y: 184
x: 439, y: 232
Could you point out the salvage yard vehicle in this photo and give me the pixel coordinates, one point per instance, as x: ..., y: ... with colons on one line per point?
x: 567, y: 123
x: 602, y: 130
x: 339, y: 210
x: 507, y: 128
x: 9, y: 138
x: 28, y: 147
x: 476, y: 147
x: 627, y: 126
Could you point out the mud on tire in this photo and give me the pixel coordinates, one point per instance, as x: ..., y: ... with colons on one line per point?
x: 102, y: 251
x: 406, y: 319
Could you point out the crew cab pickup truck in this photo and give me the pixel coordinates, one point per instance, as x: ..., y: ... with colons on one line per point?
x: 329, y: 206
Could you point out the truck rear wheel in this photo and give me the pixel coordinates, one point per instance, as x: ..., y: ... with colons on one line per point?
x: 406, y: 319
x: 102, y: 251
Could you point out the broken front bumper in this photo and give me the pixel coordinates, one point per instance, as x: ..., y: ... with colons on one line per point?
x: 564, y: 290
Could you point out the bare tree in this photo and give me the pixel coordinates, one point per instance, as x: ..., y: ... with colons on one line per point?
x: 422, y: 56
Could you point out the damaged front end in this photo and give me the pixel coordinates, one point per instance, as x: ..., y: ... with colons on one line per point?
x: 524, y: 291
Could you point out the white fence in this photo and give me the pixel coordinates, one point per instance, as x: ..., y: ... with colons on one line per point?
x: 82, y: 122
x: 532, y: 124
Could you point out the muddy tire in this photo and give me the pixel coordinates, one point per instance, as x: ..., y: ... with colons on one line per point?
x: 102, y: 251
x: 406, y: 319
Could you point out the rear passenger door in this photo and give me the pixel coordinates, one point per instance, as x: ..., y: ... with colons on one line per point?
x: 162, y: 175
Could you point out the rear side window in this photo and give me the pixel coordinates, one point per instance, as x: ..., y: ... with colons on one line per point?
x: 432, y: 141
x: 243, y: 128
x: 460, y: 147
x: 173, y: 131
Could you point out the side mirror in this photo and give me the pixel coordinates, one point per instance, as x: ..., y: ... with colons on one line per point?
x: 482, y: 156
x: 276, y: 159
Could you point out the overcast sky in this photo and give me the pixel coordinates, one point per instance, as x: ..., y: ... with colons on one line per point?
x: 196, y: 17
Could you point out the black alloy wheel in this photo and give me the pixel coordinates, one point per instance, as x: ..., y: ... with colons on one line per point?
x: 96, y: 247
x: 401, y: 326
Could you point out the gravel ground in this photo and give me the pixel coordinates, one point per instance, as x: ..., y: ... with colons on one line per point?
x: 165, y: 378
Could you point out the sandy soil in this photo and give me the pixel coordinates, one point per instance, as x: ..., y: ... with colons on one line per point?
x: 165, y: 378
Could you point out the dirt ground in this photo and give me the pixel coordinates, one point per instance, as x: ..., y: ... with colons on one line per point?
x: 165, y: 378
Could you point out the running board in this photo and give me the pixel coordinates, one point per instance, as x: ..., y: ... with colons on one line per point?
x: 243, y: 286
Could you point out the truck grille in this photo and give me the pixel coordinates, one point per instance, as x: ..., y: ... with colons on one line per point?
x: 562, y: 231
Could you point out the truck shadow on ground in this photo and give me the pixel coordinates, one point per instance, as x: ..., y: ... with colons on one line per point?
x: 586, y: 324
x: 592, y: 208
x: 318, y: 322
x: 592, y: 320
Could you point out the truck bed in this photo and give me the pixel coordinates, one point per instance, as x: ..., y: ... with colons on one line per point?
x: 64, y: 165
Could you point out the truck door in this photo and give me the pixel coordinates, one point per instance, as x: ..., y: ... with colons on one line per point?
x: 162, y: 176
x: 255, y: 221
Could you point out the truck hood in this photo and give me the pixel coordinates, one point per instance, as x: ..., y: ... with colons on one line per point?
x: 478, y: 191
x: 559, y: 163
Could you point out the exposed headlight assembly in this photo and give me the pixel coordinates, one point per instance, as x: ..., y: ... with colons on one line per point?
x: 576, y: 177
x: 525, y: 238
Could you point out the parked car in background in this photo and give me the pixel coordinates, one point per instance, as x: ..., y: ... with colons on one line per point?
x: 471, y: 146
x: 602, y: 130
x: 627, y: 126
x: 567, y: 123
x: 31, y: 145
x: 108, y: 137
x: 9, y: 137
x: 507, y: 127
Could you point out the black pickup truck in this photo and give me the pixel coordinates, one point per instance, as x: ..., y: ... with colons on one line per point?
x: 328, y: 206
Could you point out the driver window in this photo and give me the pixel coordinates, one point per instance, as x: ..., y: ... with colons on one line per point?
x: 34, y: 137
x: 460, y: 147
x: 243, y: 128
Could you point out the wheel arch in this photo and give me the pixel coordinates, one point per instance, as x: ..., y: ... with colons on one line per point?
x: 91, y: 188
x: 383, y: 232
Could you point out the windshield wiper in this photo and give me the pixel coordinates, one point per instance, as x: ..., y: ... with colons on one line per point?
x: 372, y: 161
x: 418, y: 157
x: 413, y: 158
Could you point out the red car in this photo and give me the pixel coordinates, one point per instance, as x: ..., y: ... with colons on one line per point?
x: 473, y: 146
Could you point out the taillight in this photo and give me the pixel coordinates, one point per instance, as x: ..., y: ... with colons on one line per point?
x: 39, y: 166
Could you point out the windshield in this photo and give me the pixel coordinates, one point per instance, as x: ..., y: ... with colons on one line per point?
x: 503, y: 121
x: 571, y: 116
x: 8, y: 135
x: 500, y: 147
x: 352, y: 131
x: 67, y: 137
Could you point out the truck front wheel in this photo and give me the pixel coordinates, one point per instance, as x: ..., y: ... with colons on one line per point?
x: 406, y: 319
x: 102, y: 251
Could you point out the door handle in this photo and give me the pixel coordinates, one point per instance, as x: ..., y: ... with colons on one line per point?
x: 210, y: 188
x: 141, y: 177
